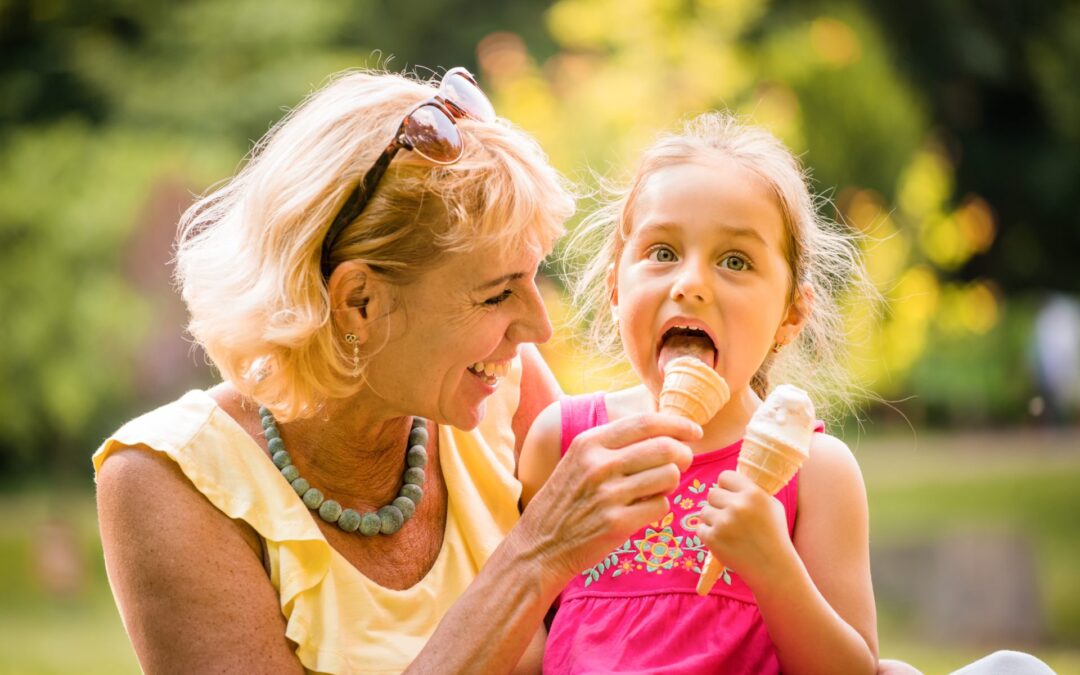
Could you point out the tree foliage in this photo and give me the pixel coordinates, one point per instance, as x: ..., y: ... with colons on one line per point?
x: 947, y: 132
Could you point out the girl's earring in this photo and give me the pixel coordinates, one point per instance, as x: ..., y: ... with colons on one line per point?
x: 355, y: 342
x: 777, y: 347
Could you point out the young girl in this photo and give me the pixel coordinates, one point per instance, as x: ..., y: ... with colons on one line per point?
x: 716, y: 250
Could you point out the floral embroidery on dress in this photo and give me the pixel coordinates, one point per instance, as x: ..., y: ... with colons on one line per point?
x: 661, y: 548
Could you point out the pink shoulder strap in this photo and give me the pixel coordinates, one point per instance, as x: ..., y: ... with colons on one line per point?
x: 580, y: 413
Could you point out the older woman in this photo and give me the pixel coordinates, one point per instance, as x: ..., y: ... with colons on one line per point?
x: 345, y: 501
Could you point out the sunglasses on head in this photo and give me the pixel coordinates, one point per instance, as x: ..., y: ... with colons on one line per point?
x: 430, y: 130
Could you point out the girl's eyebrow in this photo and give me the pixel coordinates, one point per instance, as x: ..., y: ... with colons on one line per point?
x: 731, y: 230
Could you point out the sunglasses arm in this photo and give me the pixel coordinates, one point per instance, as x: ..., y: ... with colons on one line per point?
x: 357, y: 200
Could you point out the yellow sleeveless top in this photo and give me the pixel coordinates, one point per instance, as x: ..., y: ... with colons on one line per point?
x: 341, y: 621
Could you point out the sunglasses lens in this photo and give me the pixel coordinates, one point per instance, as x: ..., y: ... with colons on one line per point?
x: 459, y: 88
x: 433, y: 135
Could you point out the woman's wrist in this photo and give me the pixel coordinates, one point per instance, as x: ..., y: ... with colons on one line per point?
x: 535, y: 559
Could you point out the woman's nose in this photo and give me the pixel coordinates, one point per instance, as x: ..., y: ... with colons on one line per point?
x: 692, y: 284
x: 533, y: 324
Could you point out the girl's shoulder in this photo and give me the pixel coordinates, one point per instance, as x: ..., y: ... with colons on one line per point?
x: 830, y: 475
x: 626, y: 402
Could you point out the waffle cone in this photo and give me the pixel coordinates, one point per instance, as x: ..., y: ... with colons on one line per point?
x: 769, y: 464
x: 692, y: 390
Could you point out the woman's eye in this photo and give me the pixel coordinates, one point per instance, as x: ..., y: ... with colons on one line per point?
x: 735, y: 263
x: 498, y: 299
x: 662, y: 254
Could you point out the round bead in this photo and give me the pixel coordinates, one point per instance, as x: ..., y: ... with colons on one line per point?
x: 265, y: 412
x: 313, y: 498
x: 391, y: 519
x: 413, y: 492
x: 300, y: 486
x: 290, y: 472
x: 271, y: 433
x: 418, y: 436
x: 268, y: 421
x: 349, y: 520
x: 282, y: 459
x: 275, y: 445
x: 370, y: 524
x: 406, y: 506
x: 330, y: 511
x: 417, y: 456
x: 414, y: 475
x: 419, y: 422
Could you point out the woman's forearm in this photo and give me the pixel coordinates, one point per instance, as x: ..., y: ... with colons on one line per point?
x: 489, y: 627
x: 810, y: 636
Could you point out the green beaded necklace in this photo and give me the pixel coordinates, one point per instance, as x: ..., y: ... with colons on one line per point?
x: 386, y: 520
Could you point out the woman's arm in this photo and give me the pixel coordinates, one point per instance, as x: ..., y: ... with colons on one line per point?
x: 194, y: 596
x: 814, y: 593
x: 612, y: 480
x: 188, y: 581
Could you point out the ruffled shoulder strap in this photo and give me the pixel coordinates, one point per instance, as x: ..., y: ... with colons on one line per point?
x: 226, y: 465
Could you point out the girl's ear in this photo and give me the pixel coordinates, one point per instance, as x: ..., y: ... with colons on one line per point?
x: 798, y: 312
x: 358, y: 298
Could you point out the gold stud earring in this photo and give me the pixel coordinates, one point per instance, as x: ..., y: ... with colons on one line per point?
x: 355, y: 342
x: 777, y: 347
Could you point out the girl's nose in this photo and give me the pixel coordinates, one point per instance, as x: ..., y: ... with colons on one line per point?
x: 692, y: 285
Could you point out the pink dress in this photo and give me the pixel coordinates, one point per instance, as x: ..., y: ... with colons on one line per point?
x: 637, y: 611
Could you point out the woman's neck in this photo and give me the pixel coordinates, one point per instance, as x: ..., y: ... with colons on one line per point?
x: 348, y: 450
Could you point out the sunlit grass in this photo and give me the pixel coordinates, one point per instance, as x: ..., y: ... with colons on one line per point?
x: 939, y: 484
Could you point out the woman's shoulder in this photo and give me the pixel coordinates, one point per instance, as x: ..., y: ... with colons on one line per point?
x: 142, y: 473
x: 167, y: 429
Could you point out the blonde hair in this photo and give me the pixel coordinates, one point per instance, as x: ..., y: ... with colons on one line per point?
x: 248, y: 253
x: 821, y: 254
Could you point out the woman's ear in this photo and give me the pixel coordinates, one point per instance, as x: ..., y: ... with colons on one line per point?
x: 798, y: 313
x: 358, y: 298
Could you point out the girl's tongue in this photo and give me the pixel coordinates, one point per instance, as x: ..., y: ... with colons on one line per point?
x: 697, y: 345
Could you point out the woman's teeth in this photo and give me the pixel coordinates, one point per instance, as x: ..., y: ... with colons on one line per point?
x: 491, y: 369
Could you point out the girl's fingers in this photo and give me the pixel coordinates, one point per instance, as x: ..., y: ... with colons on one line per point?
x: 734, y: 481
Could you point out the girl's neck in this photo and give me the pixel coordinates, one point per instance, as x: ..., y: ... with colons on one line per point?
x: 725, y: 428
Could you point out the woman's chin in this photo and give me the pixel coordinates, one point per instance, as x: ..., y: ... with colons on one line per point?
x: 467, y: 420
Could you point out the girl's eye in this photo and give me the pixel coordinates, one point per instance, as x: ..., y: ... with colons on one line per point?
x: 735, y: 263
x: 498, y: 299
x: 661, y: 254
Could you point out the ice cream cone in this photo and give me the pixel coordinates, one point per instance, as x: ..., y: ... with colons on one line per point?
x: 692, y: 389
x: 775, y: 445
x: 769, y: 465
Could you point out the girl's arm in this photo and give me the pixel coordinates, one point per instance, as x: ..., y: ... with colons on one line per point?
x: 814, y: 593
x: 540, y: 452
x: 539, y: 389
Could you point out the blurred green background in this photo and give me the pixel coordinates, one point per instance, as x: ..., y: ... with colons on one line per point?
x: 948, y: 131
